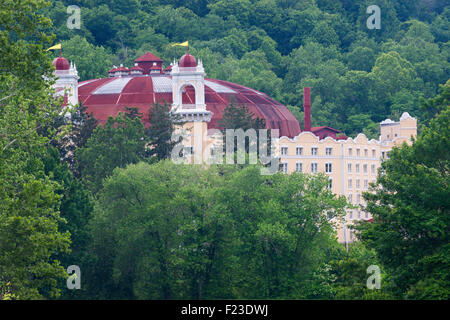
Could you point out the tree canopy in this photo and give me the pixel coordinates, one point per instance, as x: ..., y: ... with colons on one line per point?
x: 410, y: 206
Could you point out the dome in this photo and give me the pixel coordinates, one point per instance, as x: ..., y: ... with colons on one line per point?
x: 61, y: 63
x: 188, y: 61
x: 106, y: 97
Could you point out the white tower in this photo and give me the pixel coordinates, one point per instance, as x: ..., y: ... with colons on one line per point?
x: 188, y: 73
x: 66, y: 79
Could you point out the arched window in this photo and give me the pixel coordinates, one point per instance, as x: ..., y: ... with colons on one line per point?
x: 188, y: 96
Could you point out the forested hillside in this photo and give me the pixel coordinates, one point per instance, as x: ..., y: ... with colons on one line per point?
x: 358, y: 76
x: 108, y: 200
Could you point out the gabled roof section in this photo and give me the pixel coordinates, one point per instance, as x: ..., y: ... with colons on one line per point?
x: 148, y: 57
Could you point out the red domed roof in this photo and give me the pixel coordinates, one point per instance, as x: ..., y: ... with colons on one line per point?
x: 188, y: 61
x: 106, y: 97
x: 61, y: 63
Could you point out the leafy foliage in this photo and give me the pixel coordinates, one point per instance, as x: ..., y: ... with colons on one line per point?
x: 192, y: 233
x: 240, y: 117
x: 120, y: 142
x: 162, y: 126
x: 410, y: 206
x: 29, y: 205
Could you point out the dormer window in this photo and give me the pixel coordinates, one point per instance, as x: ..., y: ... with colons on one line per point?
x: 136, y: 70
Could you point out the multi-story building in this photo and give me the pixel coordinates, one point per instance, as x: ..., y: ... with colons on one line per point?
x: 350, y: 163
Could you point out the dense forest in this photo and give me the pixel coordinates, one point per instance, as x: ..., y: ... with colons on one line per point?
x: 359, y: 76
x: 108, y: 199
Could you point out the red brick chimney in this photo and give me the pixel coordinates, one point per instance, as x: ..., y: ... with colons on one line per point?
x: 307, y: 108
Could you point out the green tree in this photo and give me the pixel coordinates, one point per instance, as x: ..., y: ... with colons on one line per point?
x: 81, y: 126
x: 120, y: 142
x: 92, y: 62
x: 161, y: 248
x: 241, y: 9
x: 410, y: 206
x: 162, y: 126
x: 212, y: 233
x: 29, y: 205
x: 434, y: 106
x: 324, y: 34
x: 361, y: 58
x: 240, y: 117
x: 76, y: 208
x: 350, y: 270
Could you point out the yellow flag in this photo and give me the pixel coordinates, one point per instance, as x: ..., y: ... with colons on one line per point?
x: 184, y: 44
x: 58, y: 46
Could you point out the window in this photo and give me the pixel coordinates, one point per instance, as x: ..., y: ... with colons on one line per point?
x: 357, y: 168
x: 382, y: 154
x: 365, y: 153
x: 357, y: 152
x: 366, y: 184
x: 357, y: 184
x: 284, y: 151
x: 328, y: 167
x: 349, y: 168
x: 374, y: 153
x: 350, y: 198
x: 351, y: 235
x: 299, y: 151
x: 330, y: 184
x: 358, y: 199
x: 351, y: 215
x: 350, y: 182
x: 373, y: 169
x: 284, y: 167
x: 365, y: 168
x: 359, y: 215
x: 314, y: 151
x: 329, y: 151
x: 299, y: 167
x: 350, y: 151
x: 313, y: 167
